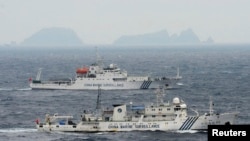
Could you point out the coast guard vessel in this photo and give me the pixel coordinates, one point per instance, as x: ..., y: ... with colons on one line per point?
x: 162, y: 116
x: 109, y: 78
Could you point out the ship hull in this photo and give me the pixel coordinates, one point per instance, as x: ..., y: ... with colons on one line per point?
x: 179, y: 124
x: 105, y: 85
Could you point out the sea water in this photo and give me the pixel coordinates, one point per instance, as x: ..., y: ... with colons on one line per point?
x: 218, y: 71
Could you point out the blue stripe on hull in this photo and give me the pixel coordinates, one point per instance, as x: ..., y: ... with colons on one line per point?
x: 188, y: 123
x: 145, y: 84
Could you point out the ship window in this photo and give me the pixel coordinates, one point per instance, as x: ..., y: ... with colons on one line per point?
x: 168, y: 109
x: 106, y: 118
x: 153, y: 116
x: 160, y: 109
x: 163, y: 115
x: 176, y: 109
x: 153, y: 109
x: 119, y: 110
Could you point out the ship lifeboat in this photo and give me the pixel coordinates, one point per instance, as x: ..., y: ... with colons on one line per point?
x: 83, y: 70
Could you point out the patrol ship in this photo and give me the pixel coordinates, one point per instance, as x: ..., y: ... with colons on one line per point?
x: 109, y: 78
x: 159, y: 116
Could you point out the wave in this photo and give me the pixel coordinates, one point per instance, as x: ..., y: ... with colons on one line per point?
x: 15, y: 89
x: 226, y: 71
x: 17, y: 130
x: 190, y: 131
x: 24, y: 89
x: 6, y: 89
x: 180, y: 84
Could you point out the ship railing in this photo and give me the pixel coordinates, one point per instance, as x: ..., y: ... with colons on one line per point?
x: 89, y: 123
x: 55, y: 82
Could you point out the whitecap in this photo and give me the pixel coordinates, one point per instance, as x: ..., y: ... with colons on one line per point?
x: 24, y: 89
x: 15, y: 89
x: 188, y: 131
x: 180, y: 84
x: 6, y: 89
x: 17, y: 130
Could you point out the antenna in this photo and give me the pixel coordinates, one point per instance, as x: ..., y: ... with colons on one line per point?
x: 96, y: 55
x: 178, y: 74
x: 159, y: 96
x: 39, y: 74
x: 211, y: 111
x: 98, y: 102
x: 98, y: 58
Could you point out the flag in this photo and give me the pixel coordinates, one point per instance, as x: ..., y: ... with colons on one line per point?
x: 37, y: 121
x: 30, y: 79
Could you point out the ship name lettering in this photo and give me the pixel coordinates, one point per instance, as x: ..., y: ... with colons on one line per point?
x: 125, y: 126
x: 87, y: 84
x: 112, y: 126
x: 147, y: 126
x: 95, y: 85
x: 141, y: 126
x: 108, y: 85
x: 119, y: 85
x: 155, y: 126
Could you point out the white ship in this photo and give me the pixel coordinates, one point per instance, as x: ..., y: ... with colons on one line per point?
x: 161, y: 116
x: 109, y: 78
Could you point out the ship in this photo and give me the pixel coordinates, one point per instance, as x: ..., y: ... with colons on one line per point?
x: 158, y: 116
x: 111, y: 77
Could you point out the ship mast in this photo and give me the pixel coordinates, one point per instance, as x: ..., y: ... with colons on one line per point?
x: 98, y: 58
x: 211, y: 111
x: 178, y: 74
x: 39, y: 74
x: 98, y: 102
x: 159, y: 96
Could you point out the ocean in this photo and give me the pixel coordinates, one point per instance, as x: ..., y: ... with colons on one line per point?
x: 218, y: 71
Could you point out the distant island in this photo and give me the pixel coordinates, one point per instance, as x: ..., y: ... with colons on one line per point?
x: 66, y: 37
x: 161, y: 38
x: 53, y: 37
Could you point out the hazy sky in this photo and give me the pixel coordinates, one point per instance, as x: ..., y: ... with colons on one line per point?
x: 103, y: 21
